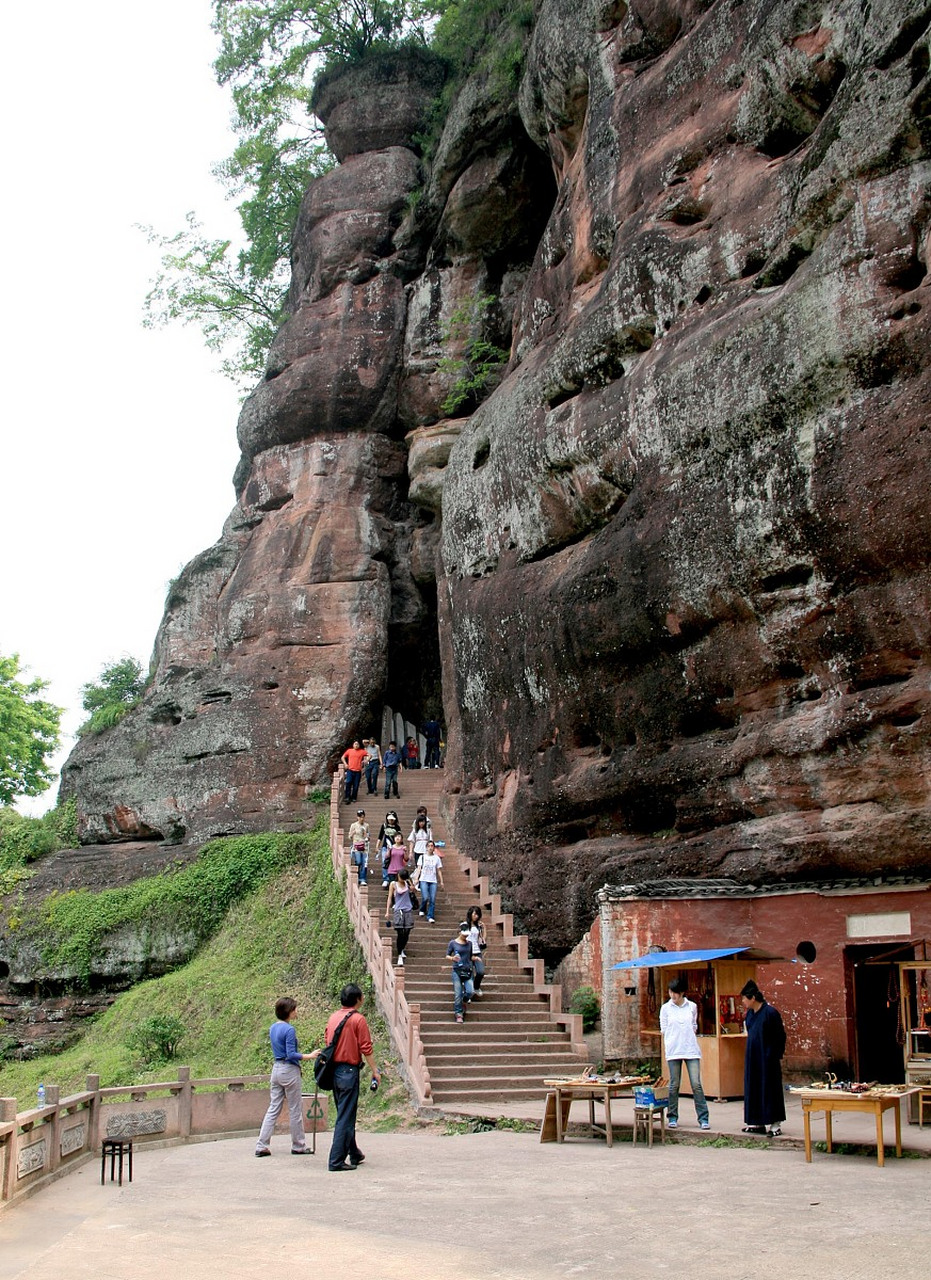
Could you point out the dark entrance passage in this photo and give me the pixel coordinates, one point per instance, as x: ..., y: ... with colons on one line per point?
x: 415, y: 682
x: 878, y: 1050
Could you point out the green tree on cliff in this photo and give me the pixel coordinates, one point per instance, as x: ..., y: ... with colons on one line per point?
x: 29, y: 733
x: 119, y: 688
x: 270, y: 51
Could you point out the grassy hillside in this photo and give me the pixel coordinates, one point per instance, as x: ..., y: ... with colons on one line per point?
x: 291, y: 936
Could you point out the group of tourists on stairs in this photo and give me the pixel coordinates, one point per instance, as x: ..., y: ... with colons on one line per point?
x: 365, y: 757
x: 411, y: 873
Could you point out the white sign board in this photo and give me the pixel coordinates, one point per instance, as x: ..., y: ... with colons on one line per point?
x: 884, y: 924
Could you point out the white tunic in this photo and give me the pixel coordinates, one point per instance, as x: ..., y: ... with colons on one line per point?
x: 678, y: 1023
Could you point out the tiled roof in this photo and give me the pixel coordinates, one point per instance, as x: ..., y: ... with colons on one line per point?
x: 693, y: 887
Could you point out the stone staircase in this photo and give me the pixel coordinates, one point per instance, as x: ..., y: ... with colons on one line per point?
x: 515, y: 1036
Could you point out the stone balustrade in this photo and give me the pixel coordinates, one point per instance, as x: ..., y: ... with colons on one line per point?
x: 46, y: 1141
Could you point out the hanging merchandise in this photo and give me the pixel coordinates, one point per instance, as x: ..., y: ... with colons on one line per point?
x: 924, y: 1002
x: 893, y: 998
x: 892, y: 990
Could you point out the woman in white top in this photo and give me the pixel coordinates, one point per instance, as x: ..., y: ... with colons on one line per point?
x: 429, y: 872
x: 417, y: 840
x: 678, y: 1021
x: 479, y: 945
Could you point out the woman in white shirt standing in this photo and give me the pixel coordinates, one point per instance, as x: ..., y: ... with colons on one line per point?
x: 678, y: 1021
x: 429, y: 871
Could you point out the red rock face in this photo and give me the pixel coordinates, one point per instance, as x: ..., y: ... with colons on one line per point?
x: 696, y: 508
x: 680, y: 553
x: 269, y: 638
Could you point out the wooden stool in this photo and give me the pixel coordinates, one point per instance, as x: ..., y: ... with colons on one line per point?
x: 924, y: 1100
x: 114, y: 1147
x: 644, y: 1118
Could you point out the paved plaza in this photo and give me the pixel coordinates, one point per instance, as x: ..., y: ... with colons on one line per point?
x: 490, y: 1205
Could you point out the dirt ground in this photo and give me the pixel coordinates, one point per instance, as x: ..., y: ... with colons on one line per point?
x: 496, y: 1205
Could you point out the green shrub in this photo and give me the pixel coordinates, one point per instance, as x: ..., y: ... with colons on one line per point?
x: 118, y: 690
x: 585, y: 1001
x: 292, y: 936
x: 156, y: 1039
x: 72, y: 927
x: 475, y: 370
x: 480, y: 37
x: 24, y: 839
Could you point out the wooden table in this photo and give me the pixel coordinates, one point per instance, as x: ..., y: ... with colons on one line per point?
x: 831, y: 1100
x: 592, y: 1091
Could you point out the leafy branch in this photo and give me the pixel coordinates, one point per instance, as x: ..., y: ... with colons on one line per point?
x: 475, y: 369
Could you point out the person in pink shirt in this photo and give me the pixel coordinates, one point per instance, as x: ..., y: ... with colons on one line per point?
x: 397, y: 858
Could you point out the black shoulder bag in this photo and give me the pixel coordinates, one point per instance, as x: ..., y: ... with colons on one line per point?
x: 324, y: 1064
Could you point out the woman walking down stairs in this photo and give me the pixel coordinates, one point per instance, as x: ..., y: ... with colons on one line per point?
x: 510, y: 1040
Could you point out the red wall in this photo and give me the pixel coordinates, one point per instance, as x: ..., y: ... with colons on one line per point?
x: 812, y: 998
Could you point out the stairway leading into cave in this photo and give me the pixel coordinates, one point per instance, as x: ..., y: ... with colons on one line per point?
x: 509, y: 1042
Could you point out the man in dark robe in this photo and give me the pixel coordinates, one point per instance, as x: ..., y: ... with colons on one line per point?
x: 764, y: 1098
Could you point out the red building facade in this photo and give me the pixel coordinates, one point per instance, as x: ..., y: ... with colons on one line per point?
x: 836, y: 984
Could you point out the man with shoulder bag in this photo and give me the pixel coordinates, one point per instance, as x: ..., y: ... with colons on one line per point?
x: 354, y: 1045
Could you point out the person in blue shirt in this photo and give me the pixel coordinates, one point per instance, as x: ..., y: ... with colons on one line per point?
x: 459, y: 952
x: 285, y: 1080
x: 391, y: 760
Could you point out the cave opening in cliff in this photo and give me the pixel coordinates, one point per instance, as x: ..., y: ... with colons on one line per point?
x: 415, y: 682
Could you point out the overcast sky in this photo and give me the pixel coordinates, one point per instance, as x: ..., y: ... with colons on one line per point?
x: 118, y: 443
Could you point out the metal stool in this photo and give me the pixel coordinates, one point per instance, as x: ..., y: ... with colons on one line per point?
x: 114, y: 1147
x: 644, y: 1118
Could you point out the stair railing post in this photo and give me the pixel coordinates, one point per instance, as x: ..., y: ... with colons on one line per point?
x: 185, y: 1102
x: 53, y: 1122
x: 94, y: 1136
x: 11, y: 1146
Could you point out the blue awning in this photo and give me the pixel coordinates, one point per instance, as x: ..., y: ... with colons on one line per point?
x: 662, y: 959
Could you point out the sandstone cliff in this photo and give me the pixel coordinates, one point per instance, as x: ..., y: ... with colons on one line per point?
x: 671, y: 577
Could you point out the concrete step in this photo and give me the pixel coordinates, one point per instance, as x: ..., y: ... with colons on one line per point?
x: 458, y: 1073
x: 462, y: 1095
x: 439, y: 1035
x: 497, y: 1006
x: 511, y: 984
x: 493, y: 1052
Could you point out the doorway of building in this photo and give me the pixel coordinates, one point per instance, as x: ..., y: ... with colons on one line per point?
x: 878, y: 1048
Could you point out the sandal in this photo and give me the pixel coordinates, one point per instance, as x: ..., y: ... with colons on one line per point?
x: 753, y: 1128
x: 775, y: 1131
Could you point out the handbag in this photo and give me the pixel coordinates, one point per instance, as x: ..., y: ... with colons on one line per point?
x: 463, y: 971
x: 324, y: 1065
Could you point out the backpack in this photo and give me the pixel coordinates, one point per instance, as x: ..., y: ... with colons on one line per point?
x: 324, y: 1065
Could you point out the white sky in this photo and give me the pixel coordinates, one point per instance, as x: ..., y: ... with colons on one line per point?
x: 118, y: 443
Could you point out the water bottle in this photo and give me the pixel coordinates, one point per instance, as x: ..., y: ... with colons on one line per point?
x: 41, y: 1095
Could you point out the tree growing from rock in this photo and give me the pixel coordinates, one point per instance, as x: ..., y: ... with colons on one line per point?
x: 270, y: 51
x: 119, y: 688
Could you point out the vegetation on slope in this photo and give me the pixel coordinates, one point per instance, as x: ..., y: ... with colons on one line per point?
x: 290, y: 936
x: 24, y: 839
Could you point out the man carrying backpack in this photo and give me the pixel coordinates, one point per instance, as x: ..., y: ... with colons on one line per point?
x: 354, y: 1045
